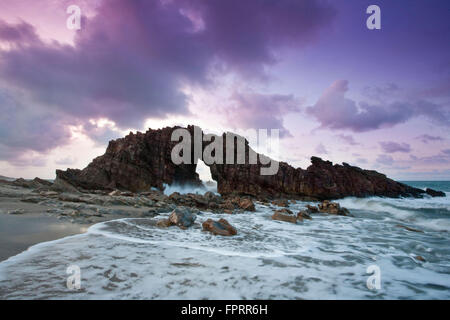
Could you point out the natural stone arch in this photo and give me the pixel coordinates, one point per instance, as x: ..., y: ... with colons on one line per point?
x: 141, y: 161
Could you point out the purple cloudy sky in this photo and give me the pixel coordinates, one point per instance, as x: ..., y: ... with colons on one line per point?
x: 379, y: 99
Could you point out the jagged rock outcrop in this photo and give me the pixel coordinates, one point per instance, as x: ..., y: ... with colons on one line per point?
x: 137, y: 162
x: 434, y: 193
x: 141, y: 161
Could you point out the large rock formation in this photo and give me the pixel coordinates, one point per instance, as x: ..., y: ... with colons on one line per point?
x: 141, y: 161
x: 137, y: 162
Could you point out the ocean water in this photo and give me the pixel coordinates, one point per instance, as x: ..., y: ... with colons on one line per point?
x: 323, y: 258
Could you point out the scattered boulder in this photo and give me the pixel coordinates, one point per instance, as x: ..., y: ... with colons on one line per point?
x: 247, y: 204
x: 284, y: 211
x: 420, y: 258
x: 182, y: 217
x: 284, y: 217
x: 175, y: 196
x: 303, y: 215
x: 198, y: 200
x: 63, y: 186
x: 221, y: 227
x: 155, y: 195
x: 312, y: 209
x: 227, y: 205
x: 434, y: 193
x: 280, y: 203
x: 332, y: 208
x: 211, y: 196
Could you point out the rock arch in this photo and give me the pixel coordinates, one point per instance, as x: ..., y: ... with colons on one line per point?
x: 141, y: 161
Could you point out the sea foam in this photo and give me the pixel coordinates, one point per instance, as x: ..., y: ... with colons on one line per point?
x: 323, y: 258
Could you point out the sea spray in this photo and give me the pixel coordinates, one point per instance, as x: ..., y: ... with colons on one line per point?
x: 326, y: 257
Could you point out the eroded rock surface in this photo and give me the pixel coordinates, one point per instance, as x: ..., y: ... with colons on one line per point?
x: 142, y: 161
x: 221, y: 227
x: 284, y: 217
x: 332, y: 208
x: 182, y: 217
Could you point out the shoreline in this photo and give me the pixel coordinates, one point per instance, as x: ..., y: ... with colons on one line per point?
x: 48, y: 232
x: 41, y: 215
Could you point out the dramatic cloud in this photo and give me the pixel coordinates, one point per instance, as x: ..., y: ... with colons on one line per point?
x: 245, y: 33
x: 22, y: 33
x: 132, y: 60
x: 28, y: 127
x: 260, y: 111
x: 391, y: 147
x: 425, y: 138
x: 101, y: 133
x: 334, y: 111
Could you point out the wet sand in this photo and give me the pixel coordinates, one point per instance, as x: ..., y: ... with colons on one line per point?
x: 19, y: 232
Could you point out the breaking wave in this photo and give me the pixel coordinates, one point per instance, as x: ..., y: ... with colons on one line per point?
x: 323, y: 258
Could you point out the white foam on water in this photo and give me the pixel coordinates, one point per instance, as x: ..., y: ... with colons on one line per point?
x: 184, y: 189
x: 323, y: 258
x: 427, y: 212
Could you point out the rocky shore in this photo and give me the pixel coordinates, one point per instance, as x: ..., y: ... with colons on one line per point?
x: 141, y: 161
x: 40, y: 196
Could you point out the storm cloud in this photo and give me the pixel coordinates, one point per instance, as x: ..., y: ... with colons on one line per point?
x: 131, y: 61
x: 260, y: 111
x: 334, y: 110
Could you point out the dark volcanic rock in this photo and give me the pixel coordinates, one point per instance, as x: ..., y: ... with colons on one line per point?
x: 303, y: 215
x: 141, y: 161
x: 137, y: 162
x: 312, y: 209
x: 280, y: 203
x: 35, y: 183
x: 284, y: 217
x: 434, y: 193
x: 221, y: 227
x: 182, y: 218
x: 284, y: 211
x: 332, y: 208
x: 247, y: 204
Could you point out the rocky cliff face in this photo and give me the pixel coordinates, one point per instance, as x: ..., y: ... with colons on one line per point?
x: 140, y: 161
x: 136, y: 162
